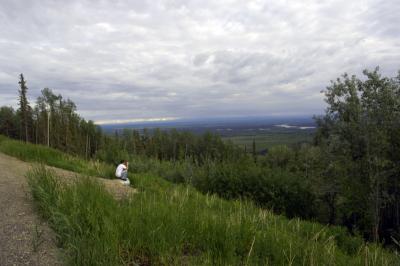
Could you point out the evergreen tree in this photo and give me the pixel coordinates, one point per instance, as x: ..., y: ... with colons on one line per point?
x: 24, y: 109
x: 254, y: 150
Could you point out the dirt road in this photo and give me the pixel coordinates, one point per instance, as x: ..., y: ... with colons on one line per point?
x: 25, y: 239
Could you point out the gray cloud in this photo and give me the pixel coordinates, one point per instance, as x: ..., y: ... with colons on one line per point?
x: 149, y: 59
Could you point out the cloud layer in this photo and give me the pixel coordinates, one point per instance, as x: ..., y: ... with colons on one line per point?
x: 121, y: 60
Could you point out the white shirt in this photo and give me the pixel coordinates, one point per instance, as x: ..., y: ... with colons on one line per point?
x: 119, y: 170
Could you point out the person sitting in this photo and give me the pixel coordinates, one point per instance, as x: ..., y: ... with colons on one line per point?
x: 122, y: 172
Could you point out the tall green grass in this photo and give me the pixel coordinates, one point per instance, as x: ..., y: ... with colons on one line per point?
x: 42, y: 154
x: 169, y: 224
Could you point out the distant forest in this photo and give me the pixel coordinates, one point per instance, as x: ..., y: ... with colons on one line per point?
x: 349, y: 175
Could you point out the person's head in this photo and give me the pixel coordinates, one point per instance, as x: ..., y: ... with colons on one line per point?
x: 125, y: 162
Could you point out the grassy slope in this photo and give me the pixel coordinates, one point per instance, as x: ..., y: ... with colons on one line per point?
x: 174, y: 224
x: 42, y: 154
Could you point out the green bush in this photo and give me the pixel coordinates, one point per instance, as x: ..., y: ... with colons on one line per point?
x: 281, y: 191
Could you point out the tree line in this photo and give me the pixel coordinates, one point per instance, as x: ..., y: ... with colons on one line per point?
x: 52, y: 121
x: 349, y: 175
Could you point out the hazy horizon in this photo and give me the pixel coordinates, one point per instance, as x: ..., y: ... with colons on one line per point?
x: 164, y: 60
x: 265, y: 118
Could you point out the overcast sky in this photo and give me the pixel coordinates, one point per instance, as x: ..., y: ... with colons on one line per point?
x: 127, y: 60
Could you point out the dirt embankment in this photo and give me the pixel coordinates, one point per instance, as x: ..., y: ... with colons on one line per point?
x: 25, y: 239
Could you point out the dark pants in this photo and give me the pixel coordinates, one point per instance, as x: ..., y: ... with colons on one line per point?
x: 124, y: 175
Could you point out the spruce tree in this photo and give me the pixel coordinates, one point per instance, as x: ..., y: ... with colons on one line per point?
x: 24, y: 110
x: 254, y: 150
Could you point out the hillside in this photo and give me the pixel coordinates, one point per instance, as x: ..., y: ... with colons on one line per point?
x: 168, y: 224
x: 25, y: 238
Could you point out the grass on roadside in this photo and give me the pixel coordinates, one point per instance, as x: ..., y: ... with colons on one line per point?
x: 52, y: 157
x: 170, y: 224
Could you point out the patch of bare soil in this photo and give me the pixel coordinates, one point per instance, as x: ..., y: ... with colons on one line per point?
x: 114, y: 186
x: 25, y: 239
